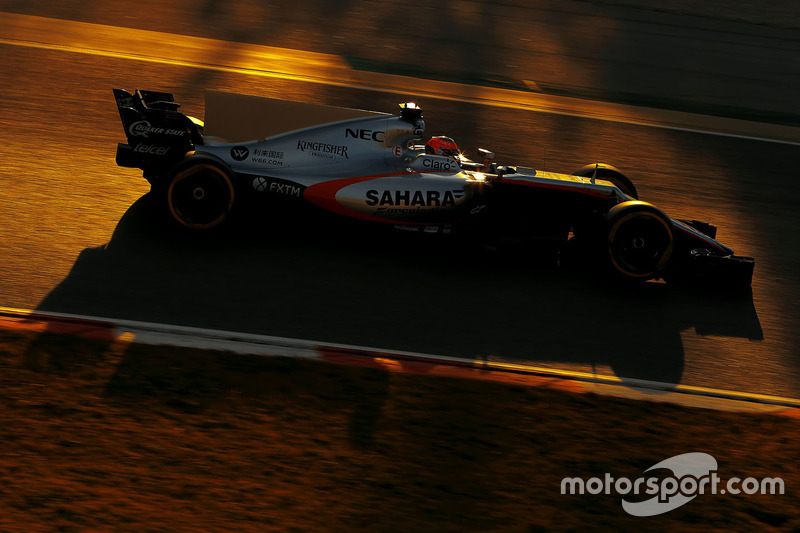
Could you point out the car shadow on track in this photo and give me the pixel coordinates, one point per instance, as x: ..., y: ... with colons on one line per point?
x: 338, y: 284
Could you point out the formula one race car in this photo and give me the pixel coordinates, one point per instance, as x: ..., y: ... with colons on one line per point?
x: 372, y: 167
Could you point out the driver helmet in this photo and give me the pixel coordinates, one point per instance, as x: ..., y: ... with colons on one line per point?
x: 442, y: 146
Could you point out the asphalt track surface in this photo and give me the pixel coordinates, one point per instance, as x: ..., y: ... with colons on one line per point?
x: 77, y: 236
x: 730, y: 57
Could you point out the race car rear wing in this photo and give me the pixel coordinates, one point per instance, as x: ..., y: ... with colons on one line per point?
x: 158, y: 134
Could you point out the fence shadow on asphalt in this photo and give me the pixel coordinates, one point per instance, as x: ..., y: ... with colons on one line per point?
x: 335, y: 284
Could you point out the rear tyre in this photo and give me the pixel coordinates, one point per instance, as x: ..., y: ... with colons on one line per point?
x: 200, y: 193
x: 640, y: 240
x: 607, y: 172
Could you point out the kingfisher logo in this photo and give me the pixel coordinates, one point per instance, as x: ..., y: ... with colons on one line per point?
x: 328, y: 151
x: 240, y: 153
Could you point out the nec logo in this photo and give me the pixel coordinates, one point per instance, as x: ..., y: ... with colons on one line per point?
x: 367, y: 135
x: 240, y: 153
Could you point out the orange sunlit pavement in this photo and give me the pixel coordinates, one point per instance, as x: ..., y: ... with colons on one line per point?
x: 215, y: 406
x: 248, y: 59
x: 100, y: 225
x: 650, y: 155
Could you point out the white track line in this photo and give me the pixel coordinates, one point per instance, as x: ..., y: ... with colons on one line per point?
x: 252, y: 344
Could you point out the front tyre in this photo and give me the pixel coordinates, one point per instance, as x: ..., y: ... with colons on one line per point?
x: 640, y: 240
x: 200, y: 194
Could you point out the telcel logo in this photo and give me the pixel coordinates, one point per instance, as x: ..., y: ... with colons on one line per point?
x: 152, y: 149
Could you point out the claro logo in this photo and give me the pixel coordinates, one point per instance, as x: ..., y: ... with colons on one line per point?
x: 439, y: 165
x: 413, y: 198
x: 366, y: 135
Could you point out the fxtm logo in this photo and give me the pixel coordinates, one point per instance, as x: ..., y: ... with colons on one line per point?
x: 240, y: 153
x: 365, y: 135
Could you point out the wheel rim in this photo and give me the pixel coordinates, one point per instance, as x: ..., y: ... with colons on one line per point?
x: 200, y: 197
x: 640, y: 244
